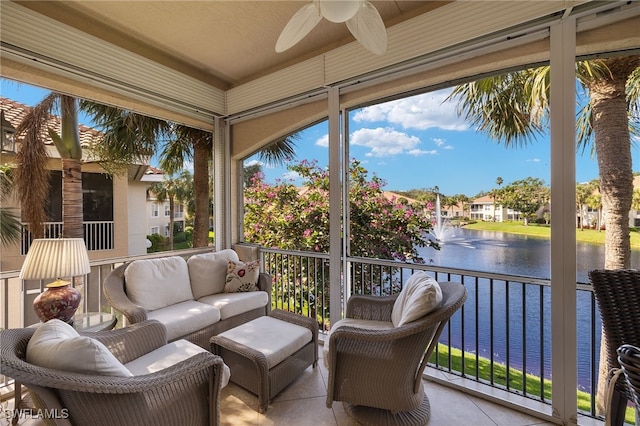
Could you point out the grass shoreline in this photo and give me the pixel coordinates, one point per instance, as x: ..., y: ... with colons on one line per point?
x: 591, y: 236
x: 533, y: 384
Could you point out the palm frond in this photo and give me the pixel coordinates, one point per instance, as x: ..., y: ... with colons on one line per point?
x: 281, y: 151
x: 32, y: 176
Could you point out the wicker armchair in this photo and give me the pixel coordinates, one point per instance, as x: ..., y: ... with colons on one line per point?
x: 187, y: 393
x: 618, y: 295
x: 377, y: 374
x: 629, y: 359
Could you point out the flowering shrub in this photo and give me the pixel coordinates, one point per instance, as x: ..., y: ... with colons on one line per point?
x: 289, y: 217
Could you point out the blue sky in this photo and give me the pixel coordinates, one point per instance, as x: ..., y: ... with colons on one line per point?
x: 417, y: 142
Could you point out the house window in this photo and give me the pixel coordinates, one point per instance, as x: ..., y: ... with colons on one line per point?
x: 97, y: 197
x: 167, y: 210
x: 178, y: 211
x: 154, y: 210
x: 155, y: 230
x: 166, y: 231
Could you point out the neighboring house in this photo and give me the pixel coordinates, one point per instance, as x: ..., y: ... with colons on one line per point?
x: 487, y: 209
x: 110, y: 203
x: 591, y: 214
x: 158, y: 211
x: 634, y: 215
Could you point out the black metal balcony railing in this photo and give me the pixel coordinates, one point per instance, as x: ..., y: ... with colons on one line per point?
x: 500, y: 337
x: 98, y: 235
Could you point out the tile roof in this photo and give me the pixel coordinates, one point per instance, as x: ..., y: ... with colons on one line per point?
x: 15, y: 112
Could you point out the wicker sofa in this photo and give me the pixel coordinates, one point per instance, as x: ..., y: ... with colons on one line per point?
x: 187, y: 296
x: 179, y: 383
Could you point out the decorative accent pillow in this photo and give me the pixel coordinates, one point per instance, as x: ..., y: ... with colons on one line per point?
x: 242, y: 276
x: 57, y: 345
x: 420, y: 295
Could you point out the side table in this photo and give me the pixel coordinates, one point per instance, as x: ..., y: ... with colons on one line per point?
x: 83, y: 322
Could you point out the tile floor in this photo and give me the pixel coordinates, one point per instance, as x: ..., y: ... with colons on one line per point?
x: 303, y: 403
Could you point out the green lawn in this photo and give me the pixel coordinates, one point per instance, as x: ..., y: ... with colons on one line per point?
x: 516, y: 378
x: 544, y: 231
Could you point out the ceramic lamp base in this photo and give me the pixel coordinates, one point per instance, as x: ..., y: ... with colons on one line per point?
x: 59, y: 301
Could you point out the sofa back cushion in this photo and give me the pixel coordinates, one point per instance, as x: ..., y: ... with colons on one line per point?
x: 157, y: 283
x: 57, y: 345
x: 420, y: 295
x: 208, y: 272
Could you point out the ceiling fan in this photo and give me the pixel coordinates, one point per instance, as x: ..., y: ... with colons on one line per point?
x: 361, y: 17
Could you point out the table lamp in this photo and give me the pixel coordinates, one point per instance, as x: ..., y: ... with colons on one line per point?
x: 56, y: 258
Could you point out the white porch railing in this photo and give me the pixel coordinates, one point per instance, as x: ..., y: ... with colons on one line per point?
x: 98, y: 235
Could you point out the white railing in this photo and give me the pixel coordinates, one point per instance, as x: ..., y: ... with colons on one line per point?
x: 98, y: 235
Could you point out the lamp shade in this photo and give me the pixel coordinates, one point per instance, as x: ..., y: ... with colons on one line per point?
x: 55, y: 258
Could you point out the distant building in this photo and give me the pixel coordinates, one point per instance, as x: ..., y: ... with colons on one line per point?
x: 158, y: 213
x: 113, y: 225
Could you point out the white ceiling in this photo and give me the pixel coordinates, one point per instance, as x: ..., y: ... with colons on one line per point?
x: 193, y: 60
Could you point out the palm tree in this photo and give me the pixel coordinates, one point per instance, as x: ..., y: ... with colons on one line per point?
x: 32, y: 176
x: 582, y: 193
x: 512, y: 108
x: 10, y: 226
x: 132, y: 137
x: 173, y: 190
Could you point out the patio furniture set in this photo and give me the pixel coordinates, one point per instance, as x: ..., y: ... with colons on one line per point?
x: 188, y: 336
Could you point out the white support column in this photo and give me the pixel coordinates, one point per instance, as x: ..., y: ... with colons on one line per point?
x: 563, y: 229
x: 335, y: 202
x: 221, y: 187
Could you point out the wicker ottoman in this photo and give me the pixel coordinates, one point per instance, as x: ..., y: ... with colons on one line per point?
x: 269, y: 352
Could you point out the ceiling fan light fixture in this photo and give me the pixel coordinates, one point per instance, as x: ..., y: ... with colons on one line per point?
x: 339, y: 11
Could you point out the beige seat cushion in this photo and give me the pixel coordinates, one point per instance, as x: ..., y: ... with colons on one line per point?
x: 57, y: 345
x: 272, y: 337
x: 168, y: 355
x: 232, y: 304
x: 156, y: 283
x: 185, y: 317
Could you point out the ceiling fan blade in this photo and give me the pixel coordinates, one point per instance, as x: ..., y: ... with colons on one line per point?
x: 368, y: 28
x: 298, y: 26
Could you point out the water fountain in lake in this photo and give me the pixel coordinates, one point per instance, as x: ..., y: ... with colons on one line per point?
x: 443, y: 231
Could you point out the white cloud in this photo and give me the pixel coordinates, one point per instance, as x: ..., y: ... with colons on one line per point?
x: 534, y: 160
x: 384, y: 142
x: 418, y: 152
x: 422, y: 112
x: 323, y: 141
x: 287, y: 176
x: 253, y: 163
x: 439, y: 141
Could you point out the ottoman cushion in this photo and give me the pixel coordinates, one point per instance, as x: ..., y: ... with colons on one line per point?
x: 276, y: 339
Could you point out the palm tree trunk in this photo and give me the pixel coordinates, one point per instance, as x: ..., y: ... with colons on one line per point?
x: 613, y: 149
x: 201, y: 155
x: 72, y: 198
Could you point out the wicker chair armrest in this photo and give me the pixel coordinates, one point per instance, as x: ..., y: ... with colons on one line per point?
x: 129, y: 343
x: 376, y: 308
x: 114, y: 291
x: 265, y: 283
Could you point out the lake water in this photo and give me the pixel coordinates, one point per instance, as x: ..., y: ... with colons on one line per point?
x: 523, y: 256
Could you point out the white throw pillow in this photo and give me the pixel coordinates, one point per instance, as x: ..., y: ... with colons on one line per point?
x: 57, y: 345
x: 157, y: 283
x: 420, y: 295
x: 208, y: 272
